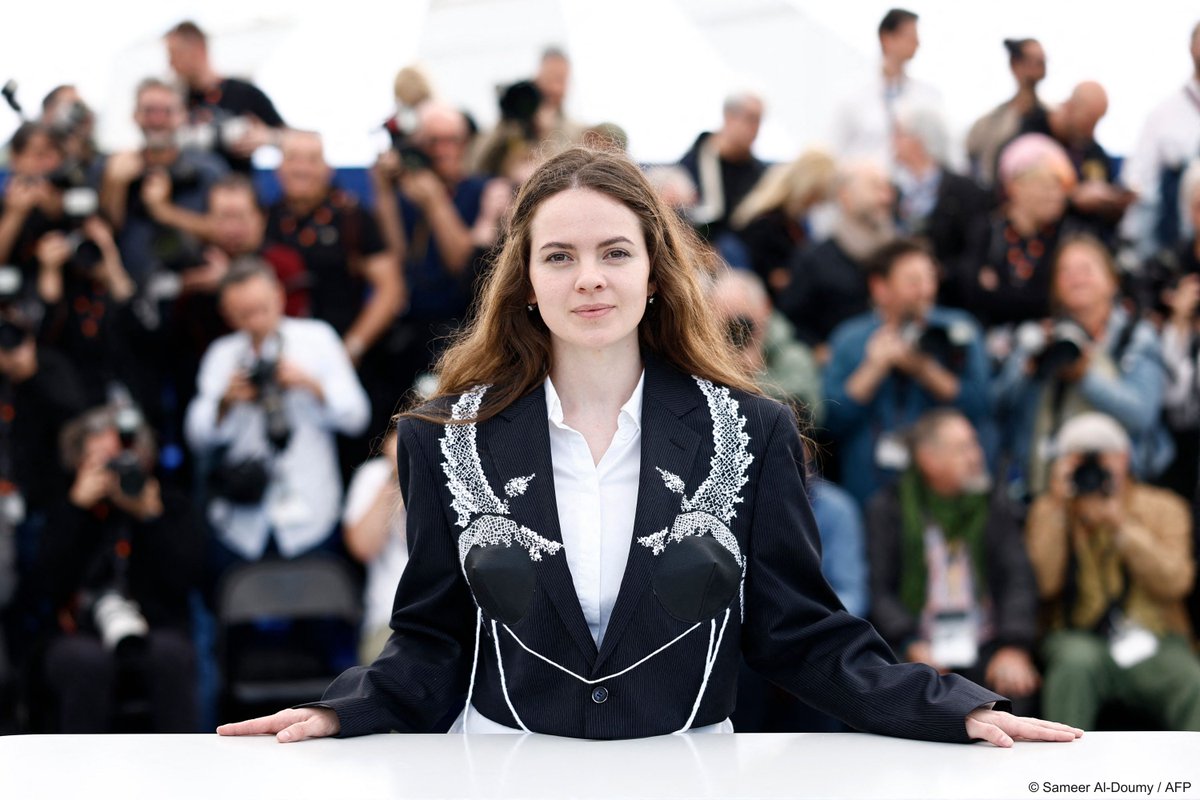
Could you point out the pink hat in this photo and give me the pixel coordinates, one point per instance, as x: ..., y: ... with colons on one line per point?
x: 1035, y: 151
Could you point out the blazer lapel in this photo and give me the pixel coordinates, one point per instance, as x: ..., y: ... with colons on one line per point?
x: 518, y: 442
x: 667, y: 443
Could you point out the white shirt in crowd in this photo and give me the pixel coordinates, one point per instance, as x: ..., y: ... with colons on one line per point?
x: 1170, y: 138
x: 863, y: 121
x: 303, y: 499
x: 383, y: 571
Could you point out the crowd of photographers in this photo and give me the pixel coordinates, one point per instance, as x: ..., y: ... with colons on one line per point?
x: 996, y: 353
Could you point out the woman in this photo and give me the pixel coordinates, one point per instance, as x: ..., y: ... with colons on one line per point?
x: 773, y: 219
x: 595, y: 382
x: 1010, y: 281
x: 1096, y: 357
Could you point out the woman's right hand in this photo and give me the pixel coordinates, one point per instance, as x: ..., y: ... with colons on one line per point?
x: 289, y: 725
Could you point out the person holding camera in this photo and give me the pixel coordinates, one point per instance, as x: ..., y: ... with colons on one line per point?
x: 152, y: 194
x: 70, y: 118
x: 1094, y: 356
x: 951, y: 584
x: 271, y: 396
x: 50, y: 217
x: 117, y: 562
x: 438, y: 206
x: 1113, y: 560
x: 232, y: 116
x: 890, y: 365
x: 39, y: 392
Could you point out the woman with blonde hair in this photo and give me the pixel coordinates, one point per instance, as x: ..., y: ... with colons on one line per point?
x: 773, y: 219
x: 605, y: 516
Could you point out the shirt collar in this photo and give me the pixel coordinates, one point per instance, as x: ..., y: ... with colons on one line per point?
x: 631, y: 410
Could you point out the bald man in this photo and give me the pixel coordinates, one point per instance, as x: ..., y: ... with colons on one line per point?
x: 1073, y: 124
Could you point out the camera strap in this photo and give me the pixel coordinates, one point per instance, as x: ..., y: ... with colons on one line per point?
x: 1104, y: 624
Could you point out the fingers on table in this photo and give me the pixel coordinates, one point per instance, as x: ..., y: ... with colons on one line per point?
x: 1032, y: 729
x: 270, y: 724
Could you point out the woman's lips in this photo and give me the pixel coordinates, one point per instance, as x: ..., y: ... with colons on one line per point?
x: 593, y: 311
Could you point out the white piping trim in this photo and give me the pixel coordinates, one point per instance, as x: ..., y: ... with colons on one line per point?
x: 709, y: 662
x: 503, y: 683
x: 591, y: 682
x: 474, y: 666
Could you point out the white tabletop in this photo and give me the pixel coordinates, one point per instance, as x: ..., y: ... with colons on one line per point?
x: 724, y: 766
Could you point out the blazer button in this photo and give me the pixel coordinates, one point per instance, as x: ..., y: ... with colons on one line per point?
x: 599, y: 694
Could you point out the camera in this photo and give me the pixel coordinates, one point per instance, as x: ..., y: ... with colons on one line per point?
x: 127, y: 465
x: 264, y: 374
x: 399, y: 130
x: 519, y: 103
x: 1062, y: 348
x: 118, y: 620
x: 946, y: 344
x: 219, y: 133
x: 1090, y: 477
x: 70, y: 119
x: 740, y: 331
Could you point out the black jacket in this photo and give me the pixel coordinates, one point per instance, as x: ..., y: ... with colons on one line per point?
x: 827, y: 288
x: 1009, y: 575
x: 794, y: 631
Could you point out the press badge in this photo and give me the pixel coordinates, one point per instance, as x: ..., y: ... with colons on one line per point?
x: 954, y: 639
x: 1130, y: 644
x: 890, y: 453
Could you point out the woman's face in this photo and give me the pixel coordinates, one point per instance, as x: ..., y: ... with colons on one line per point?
x: 1040, y: 194
x: 1082, y: 281
x: 590, y: 270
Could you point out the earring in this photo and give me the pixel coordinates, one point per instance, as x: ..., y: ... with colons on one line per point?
x: 650, y: 300
x: 531, y: 306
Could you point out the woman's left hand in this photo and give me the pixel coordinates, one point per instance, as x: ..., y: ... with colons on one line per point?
x: 1002, y: 729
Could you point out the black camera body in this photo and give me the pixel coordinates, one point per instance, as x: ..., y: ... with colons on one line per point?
x: 1091, y: 477
x: 264, y: 374
x: 1062, y: 348
x: 127, y: 465
x: 945, y: 343
x: 13, y: 332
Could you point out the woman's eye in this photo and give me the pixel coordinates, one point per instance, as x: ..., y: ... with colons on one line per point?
x: 558, y: 258
x: 618, y: 254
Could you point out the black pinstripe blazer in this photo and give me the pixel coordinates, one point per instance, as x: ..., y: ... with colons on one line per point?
x: 786, y: 620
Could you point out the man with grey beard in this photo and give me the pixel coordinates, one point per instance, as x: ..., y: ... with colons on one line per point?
x: 951, y: 584
x: 829, y: 280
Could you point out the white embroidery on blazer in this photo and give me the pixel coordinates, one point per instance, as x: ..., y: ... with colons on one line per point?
x: 712, y: 507
x: 480, y: 511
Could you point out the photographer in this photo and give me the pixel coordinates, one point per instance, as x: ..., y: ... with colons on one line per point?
x: 1095, y: 357
x: 951, y: 584
x: 153, y: 194
x: 39, y: 392
x: 118, y: 560
x: 890, y: 365
x: 270, y: 398
x: 1113, y: 560
x: 47, y: 212
x: 65, y: 113
x: 231, y: 116
x: 438, y: 205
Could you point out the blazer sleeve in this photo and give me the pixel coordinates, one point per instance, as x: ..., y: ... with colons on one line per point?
x: 424, y: 667
x: 797, y: 634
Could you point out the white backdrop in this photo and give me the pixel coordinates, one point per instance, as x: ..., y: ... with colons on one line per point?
x: 657, y: 67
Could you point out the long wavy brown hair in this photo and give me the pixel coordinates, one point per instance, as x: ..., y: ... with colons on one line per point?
x: 508, y: 346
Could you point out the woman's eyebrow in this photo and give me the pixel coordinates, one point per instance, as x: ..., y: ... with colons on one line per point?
x: 605, y: 243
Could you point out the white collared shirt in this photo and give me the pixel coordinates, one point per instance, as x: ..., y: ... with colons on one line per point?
x: 596, y: 504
